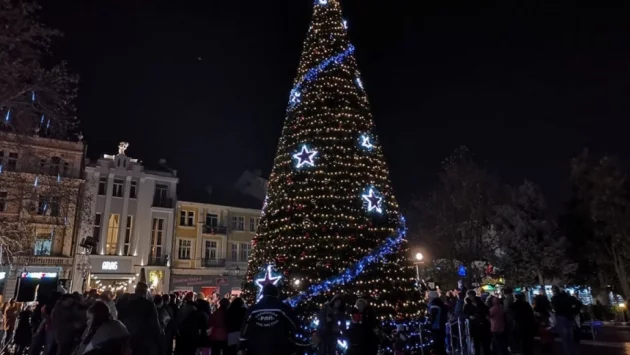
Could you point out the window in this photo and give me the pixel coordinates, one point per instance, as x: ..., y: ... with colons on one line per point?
x: 96, y: 228
x: 157, y: 236
x: 185, y: 246
x: 187, y: 218
x: 43, y: 242
x: 55, y: 165
x: 234, y: 252
x: 245, y: 249
x: 133, y: 189
x: 42, y: 166
x: 253, y: 224
x: 42, y: 205
x: 102, y: 186
x: 211, y: 250
x: 118, y: 188
x: 212, y: 220
x: 238, y: 223
x: 12, y: 162
x: 161, y: 192
x: 128, y: 231
x: 112, y: 234
x: 3, y: 200
x: 66, y: 169
x: 54, y: 206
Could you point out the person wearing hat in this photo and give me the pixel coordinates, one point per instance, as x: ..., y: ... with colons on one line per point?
x: 271, y: 326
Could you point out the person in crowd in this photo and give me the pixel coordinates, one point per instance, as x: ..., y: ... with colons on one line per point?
x: 524, y: 325
x: 104, y: 335
x: 192, y: 327
x: 332, y: 322
x: 235, y: 319
x: 497, y: 327
x: 10, y: 317
x: 365, y: 329
x: 163, y: 316
x: 438, y: 316
x: 107, y: 298
x: 68, y: 319
x: 565, y: 309
x: 169, y: 330
x: 217, y: 325
x: 542, y: 306
x: 508, y: 301
x: 203, y: 305
x: 271, y: 327
x: 23, y: 331
x: 141, y: 319
x: 480, y: 324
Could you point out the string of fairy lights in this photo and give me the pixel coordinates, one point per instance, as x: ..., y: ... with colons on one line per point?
x: 330, y: 222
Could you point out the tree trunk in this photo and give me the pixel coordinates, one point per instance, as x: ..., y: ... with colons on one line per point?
x: 601, y: 293
x: 541, y: 280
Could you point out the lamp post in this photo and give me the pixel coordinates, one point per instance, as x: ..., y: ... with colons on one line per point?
x: 418, y: 260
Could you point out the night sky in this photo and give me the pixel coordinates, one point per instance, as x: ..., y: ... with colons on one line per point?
x: 205, y: 84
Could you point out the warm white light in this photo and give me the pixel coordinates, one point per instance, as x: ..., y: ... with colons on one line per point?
x: 419, y: 256
x: 296, y: 282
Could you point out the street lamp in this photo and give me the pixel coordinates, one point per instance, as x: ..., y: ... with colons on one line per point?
x: 419, y: 257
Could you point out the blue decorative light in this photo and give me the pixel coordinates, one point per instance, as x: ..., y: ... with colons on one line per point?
x: 305, y: 157
x: 345, y: 24
x: 323, y: 2
x: 268, y: 278
x: 33, y: 96
x: 312, y: 73
x: 365, y: 142
x: 373, y: 200
x: 461, y: 271
x: 48, y: 124
x: 7, y: 117
x: 359, y: 83
x: 0, y: 168
x: 41, y: 120
x: 36, y: 183
x: 58, y: 177
x: 349, y: 274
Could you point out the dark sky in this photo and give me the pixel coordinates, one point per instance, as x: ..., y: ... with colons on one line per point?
x: 205, y: 83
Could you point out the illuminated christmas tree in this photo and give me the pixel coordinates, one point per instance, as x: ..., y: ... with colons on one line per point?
x: 330, y: 222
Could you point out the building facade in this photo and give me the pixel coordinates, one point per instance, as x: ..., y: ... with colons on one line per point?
x: 132, y: 219
x: 40, y: 185
x: 212, y: 247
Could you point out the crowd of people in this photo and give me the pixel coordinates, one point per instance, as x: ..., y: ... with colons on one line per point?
x: 181, y: 324
x: 190, y: 324
x: 122, y: 323
x: 505, y: 323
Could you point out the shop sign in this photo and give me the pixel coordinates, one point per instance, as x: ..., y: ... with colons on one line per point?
x: 187, y: 280
x: 110, y: 265
x: 39, y: 275
x: 222, y: 281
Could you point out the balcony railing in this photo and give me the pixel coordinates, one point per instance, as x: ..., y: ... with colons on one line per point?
x: 213, y: 262
x: 214, y: 229
x: 43, y: 260
x: 158, y: 260
x: 164, y: 202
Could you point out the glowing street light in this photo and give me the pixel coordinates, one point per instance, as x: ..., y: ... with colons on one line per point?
x: 419, y: 257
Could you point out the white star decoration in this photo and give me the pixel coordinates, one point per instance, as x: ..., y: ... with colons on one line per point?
x: 268, y: 279
x: 374, y: 202
x: 305, y: 157
x: 365, y: 142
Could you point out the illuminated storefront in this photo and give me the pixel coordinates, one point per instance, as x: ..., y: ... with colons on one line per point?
x: 112, y: 273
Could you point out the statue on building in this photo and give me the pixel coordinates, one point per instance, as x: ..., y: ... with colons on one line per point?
x: 122, y: 147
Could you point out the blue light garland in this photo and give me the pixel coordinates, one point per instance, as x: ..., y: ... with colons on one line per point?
x: 388, y: 247
x: 312, y: 73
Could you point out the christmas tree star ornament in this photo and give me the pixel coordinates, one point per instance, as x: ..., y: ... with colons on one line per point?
x: 268, y: 279
x: 305, y: 157
x: 365, y: 142
x: 373, y: 201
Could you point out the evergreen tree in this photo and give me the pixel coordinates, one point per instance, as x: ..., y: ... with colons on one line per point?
x: 330, y: 222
